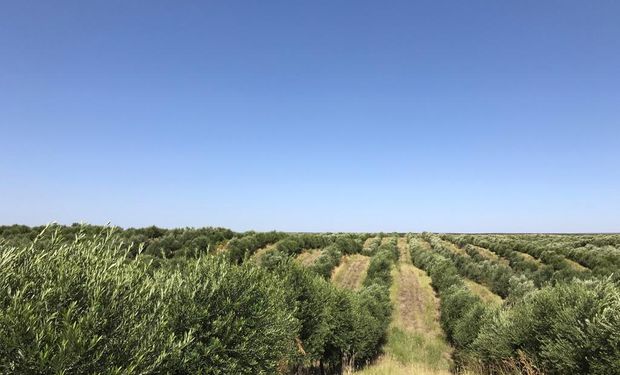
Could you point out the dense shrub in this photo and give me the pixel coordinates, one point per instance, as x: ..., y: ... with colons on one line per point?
x: 381, y: 263
x: 295, y: 244
x: 336, y: 325
x: 372, y: 246
x: 379, y: 269
x: 568, y: 328
x: 329, y: 259
x: 239, y: 318
x: 290, y: 246
x: 82, y: 307
x: 373, y: 311
x: 349, y: 244
x: 603, y: 261
x: 158, y: 242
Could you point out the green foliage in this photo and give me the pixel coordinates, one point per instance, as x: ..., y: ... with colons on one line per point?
x: 239, y: 316
x: 89, y: 299
x: 329, y: 259
x: 568, y: 328
x: 295, y: 244
x: 571, y: 327
x: 83, y: 307
x: 373, y: 311
x: 552, y: 252
x: 380, y: 267
x: 310, y: 297
x: 348, y: 244
x: 372, y: 246
x: 476, y: 267
x: 80, y: 307
x: 335, y: 324
x: 340, y: 343
x: 241, y: 248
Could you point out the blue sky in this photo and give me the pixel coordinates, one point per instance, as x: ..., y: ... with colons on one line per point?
x: 312, y: 115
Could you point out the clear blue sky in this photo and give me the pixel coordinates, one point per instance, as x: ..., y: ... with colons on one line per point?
x: 312, y: 115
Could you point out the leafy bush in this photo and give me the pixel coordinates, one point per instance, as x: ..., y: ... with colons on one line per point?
x: 329, y: 259
x: 240, y: 320
x: 379, y: 269
x: 568, y: 328
x: 241, y: 248
x: 80, y: 307
x: 372, y: 246
x: 381, y: 263
x: 335, y: 324
x: 373, y: 311
x: 83, y: 307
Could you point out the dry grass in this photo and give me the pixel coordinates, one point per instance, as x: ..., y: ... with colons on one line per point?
x: 576, y: 266
x: 483, y: 292
x: 522, y: 365
x: 417, y: 307
x: 387, y: 365
x: 256, y: 257
x: 351, y: 272
x: 529, y: 258
x: 425, y: 245
x: 308, y: 257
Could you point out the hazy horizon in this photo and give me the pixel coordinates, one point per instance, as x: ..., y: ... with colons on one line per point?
x: 292, y: 231
x: 312, y: 116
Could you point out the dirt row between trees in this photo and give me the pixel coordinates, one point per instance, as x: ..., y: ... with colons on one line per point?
x: 529, y: 258
x: 351, y: 272
x: 416, y: 343
x: 576, y: 266
x: 256, y: 257
x: 455, y: 249
x: 483, y: 292
x: 415, y: 308
x: 308, y: 257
